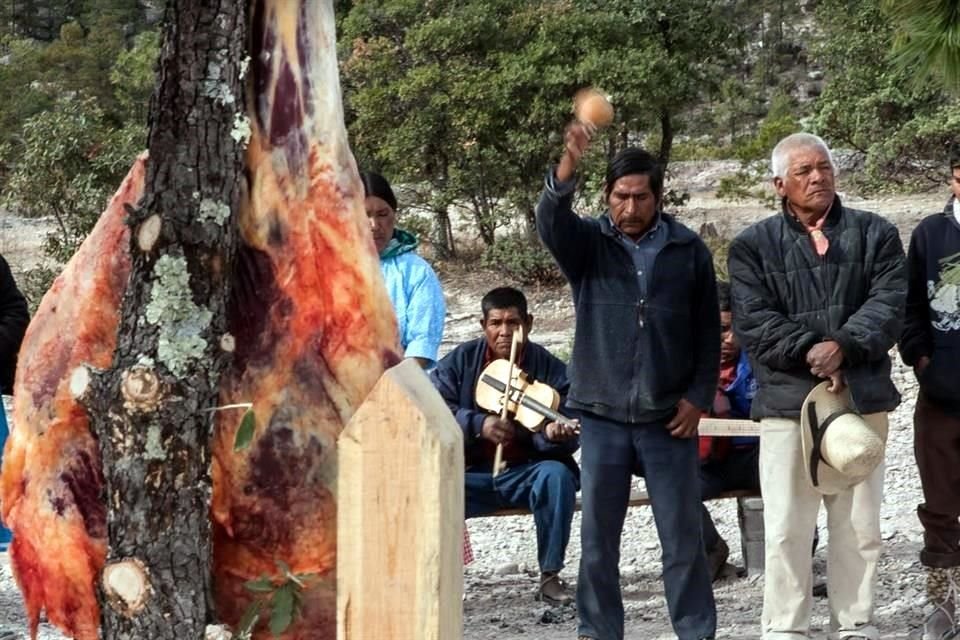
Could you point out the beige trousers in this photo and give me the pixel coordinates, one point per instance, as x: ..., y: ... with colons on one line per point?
x: 790, y: 506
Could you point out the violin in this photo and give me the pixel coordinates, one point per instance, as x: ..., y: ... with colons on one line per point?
x: 531, y: 404
x: 498, y: 464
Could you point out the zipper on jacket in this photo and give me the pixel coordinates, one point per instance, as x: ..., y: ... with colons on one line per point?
x: 828, y: 292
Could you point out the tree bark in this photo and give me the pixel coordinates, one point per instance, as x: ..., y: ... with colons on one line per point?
x: 529, y: 221
x: 151, y: 411
x: 443, y: 232
x: 666, y: 139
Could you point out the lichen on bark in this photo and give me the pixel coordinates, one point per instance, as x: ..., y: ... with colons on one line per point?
x: 154, y: 449
x: 241, y: 131
x: 211, y: 210
x: 180, y: 321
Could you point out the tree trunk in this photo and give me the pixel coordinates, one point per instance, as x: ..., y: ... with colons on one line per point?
x: 529, y: 221
x: 443, y: 232
x: 151, y: 410
x: 486, y: 224
x: 666, y: 139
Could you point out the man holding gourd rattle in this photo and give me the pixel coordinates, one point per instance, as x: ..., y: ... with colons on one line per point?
x: 644, y: 367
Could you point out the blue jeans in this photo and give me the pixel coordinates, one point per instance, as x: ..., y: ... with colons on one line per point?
x: 610, y: 452
x: 739, y: 470
x: 547, y: 488
x: 5, y: 534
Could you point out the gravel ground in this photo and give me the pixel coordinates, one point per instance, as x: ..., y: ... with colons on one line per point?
x: 501, y: 582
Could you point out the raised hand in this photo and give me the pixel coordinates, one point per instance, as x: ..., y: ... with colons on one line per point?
x: 576, y: 140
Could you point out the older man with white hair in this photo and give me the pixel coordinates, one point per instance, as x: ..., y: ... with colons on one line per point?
x: 818, y: 294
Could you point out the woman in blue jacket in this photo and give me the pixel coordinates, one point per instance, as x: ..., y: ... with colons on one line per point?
x: 413, y: 286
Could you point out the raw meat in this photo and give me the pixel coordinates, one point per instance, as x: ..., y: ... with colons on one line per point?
x: 52, y: 481
x: 314, y: 327
x: 313, y: 331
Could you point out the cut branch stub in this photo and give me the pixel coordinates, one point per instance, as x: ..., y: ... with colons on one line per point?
x: 228, y: 343
x: 148, y: 233
x: 140, y: 387
x: 217, y: 632
x: 126, y: 584
x: 79, y: 382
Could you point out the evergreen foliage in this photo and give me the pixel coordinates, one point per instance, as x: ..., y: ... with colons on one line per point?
x: 462, y: 103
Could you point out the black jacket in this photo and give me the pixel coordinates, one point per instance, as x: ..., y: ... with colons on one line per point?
x: 14, y: 318
x: 634, y: 359
x: 456, y: 377
x: 932, y: 325
x: 786, y: 298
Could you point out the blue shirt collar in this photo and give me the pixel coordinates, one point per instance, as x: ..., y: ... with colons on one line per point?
x: 652, y: 231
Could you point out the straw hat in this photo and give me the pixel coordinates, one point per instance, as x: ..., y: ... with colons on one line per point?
x: 841, y: 448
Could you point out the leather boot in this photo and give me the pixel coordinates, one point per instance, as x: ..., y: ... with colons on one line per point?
x: 553, y: 590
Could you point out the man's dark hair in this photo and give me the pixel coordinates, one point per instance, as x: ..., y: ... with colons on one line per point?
x: 723, y: 295
x: 633, y: 160
x: 504, y: 298
x: 954, y: 157
x: 375, y: 184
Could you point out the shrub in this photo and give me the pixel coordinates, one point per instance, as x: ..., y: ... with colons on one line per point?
x: 522, y: 260
x: 34, y: 283
x: 68, y: 165
x: 720, y: 247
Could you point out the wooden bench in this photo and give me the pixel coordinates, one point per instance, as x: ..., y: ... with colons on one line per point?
x: 749, y: 503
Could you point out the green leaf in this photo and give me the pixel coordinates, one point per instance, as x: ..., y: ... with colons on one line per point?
x: 249, y: 620
x: 262, y: 585
x: 284, y: 568
x: 245, y: 433
x: 282, y: 605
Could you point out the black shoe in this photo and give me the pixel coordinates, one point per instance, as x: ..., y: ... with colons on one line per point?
x: 717, y: 559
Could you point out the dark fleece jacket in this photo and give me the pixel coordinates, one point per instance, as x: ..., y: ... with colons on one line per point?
x: 786, y: 298
x: 635, y: 358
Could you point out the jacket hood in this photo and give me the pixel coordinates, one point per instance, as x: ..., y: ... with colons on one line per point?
x: 402, y: 242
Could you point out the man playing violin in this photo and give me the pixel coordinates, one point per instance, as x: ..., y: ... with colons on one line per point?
x: 540, y: 473
x: 644, y: 367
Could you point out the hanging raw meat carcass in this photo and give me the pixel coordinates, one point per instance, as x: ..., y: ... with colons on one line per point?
x: 313, y: 331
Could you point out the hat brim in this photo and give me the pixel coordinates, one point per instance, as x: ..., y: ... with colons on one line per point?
x: 829, y: 481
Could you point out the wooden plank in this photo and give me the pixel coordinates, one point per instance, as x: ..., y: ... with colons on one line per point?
x: 728, y: 427
x: 400, y: 514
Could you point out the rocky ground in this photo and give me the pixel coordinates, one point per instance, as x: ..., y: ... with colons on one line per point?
x: 501, y: 582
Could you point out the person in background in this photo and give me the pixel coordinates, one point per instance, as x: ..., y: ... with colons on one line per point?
x: 14, y: 318
x: 541, y: 474
x: 412, y: 285
x: 931, y: 345
x: 818, y: 294
x: 728, y: 464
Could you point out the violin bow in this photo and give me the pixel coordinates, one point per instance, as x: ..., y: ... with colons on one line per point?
x: 498, y: 465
